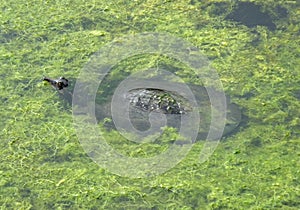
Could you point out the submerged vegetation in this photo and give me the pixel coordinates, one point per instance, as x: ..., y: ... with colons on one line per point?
x: 43, y: 165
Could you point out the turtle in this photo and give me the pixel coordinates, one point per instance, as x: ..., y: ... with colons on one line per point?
x: 144, y: 101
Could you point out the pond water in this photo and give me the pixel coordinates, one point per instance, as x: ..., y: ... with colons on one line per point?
x: 46, y: 165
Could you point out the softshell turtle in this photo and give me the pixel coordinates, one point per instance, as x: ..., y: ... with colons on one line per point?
x: 143, y: 101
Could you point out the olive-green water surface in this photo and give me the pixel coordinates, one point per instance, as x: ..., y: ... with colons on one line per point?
x: 43, y: 165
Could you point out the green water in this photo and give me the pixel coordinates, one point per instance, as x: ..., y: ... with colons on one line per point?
x: 43, y: 165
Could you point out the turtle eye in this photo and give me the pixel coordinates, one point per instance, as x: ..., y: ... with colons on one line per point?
x: 60, y: 85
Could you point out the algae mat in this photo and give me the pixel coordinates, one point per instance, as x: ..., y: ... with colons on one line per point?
x: 43, y: 165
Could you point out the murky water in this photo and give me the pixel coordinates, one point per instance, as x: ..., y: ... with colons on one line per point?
x: 43, y: 165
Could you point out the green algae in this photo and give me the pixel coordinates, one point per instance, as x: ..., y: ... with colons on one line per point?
x: 43, y: 165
